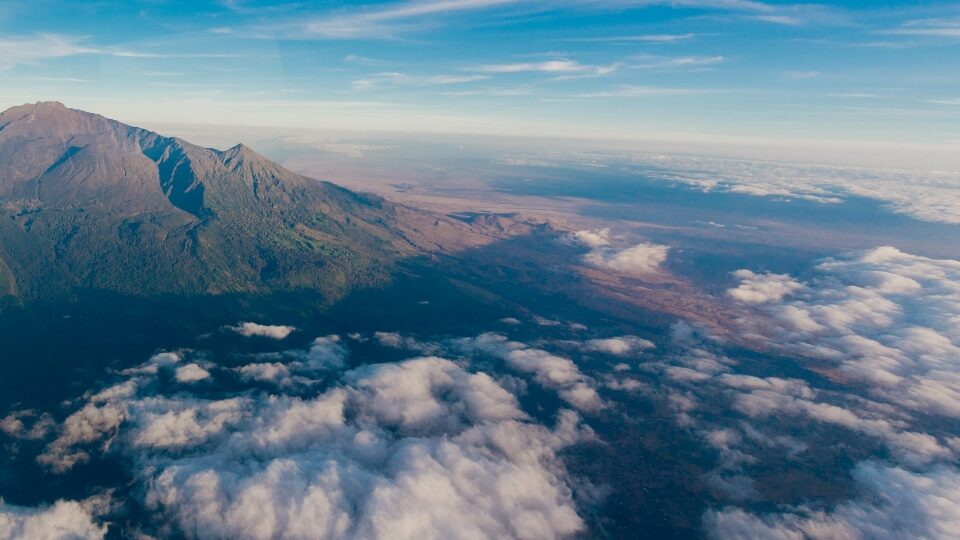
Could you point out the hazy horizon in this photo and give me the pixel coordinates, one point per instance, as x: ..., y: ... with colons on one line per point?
x: 842, y: 82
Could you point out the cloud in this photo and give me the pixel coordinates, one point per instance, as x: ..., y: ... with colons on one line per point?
x: 762, y: 288
x: 786, y: 20
x: 297, y: 369
x: 864, y: 307
x: 879, y: 324
x: 639, y: 259
x: 944, y: 101
x: 800, y: 75
x: 413, y: 449
x: 432, y: 450
x: 773, y: 396
x: 593, y: 239
x: 900, y: 504
x: 397, y: 19
x: 551, y: 371
x: 558, y: 67
x: 637, y: 91
x: 67, y: 520
x: 273, y: 372
x: 250, y: 329
x: 397, y: 341
x: 925, y: 195
x: 16, y: 424
x: 36, y: 48
x: 942, y: 27
x: 39, y: 47
x: 677, y: 62
x: 386, y: 22
x: 619, y: 346
x: 883, y: 318
x: 380, y: 80
x: 643, y: 38
x: 191, y: 373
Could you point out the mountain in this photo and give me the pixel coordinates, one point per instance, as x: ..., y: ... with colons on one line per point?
x: 89, y: 203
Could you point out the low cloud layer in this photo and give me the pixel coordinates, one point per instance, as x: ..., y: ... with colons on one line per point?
x: 550, y: 370
x: 639, y: 259
x: 882, y: 318
x: 67, y: 520
x: 881, y: 327
x: 249, y: 329
x: 900, y: 504
x: 422, y: 448
x: 851, y: 386
x: 925, y: 195
x: 619, y: 346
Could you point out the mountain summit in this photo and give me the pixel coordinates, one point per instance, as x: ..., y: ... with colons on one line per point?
x: 91, y: 203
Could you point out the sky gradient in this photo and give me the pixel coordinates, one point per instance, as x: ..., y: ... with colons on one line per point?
x: 878, y: 75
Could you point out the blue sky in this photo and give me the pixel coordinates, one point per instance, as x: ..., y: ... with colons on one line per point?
x: 883, y: 73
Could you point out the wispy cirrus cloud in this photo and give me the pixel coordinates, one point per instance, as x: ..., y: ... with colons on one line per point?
x: 388, y: 21
x: 786, y: 20
x: 643, y: 38
x: 39, y: 47
x: 560, y: 66
x: 638, y: 91
x: 497, y: 91
x: 379, y: 80
x: 799, y: 75
x: 394, y: 20
x: 36, y: 48
x: 940, y: 27
x: 676, y: 62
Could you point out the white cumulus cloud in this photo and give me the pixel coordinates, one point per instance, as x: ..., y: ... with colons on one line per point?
x: 639, y: 259
x: 762, y: 288
x: 249, y: 329
x: 191, y: 373
x: 552, y: 371
x: 64, y: 520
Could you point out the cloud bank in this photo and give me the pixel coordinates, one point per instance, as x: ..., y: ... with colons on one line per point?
x: 882, y: 326
x: 64, y: 520
x: 924, y: 195
x: 884, y: 318
x: 902, y: 504
x: 422, y: 448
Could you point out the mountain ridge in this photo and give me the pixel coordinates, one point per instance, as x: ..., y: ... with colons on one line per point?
x: 87, y: 202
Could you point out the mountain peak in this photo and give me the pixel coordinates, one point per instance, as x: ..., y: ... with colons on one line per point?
x: 49, y: 105
x: 245, y: 161
x: 51, y: 118
x: 239, y: 151
x: 43, y: 108
x: 157, y: 210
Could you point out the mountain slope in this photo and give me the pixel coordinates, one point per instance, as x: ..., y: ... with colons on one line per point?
x: 91, y: 203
